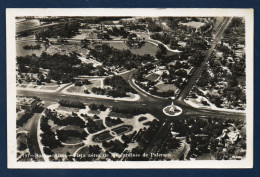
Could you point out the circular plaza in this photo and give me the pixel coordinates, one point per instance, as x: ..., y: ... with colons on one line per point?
x: 172, y: 110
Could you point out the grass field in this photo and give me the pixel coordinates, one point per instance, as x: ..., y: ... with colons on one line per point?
x: 73, y: 140
x: 76, y: 89
x: 121, y: 115
x: 68, y: 109
x: 94, y: 83
x: 49, y: 87
x: 153, y: 77
x: 73, y: 127
x: 55, y: 128
x: 166, y: 87
x: 84, y: 150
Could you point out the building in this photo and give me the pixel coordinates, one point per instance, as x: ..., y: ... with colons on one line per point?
x: 26, y: 103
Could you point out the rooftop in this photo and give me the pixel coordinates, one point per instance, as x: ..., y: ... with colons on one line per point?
x: 24, y: 100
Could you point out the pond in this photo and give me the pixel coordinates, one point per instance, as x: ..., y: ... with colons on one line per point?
x: 20, y: 51
x: 24, y: 24
x: 147, y: 48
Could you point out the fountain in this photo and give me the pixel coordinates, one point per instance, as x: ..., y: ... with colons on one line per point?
x: 172, y: 110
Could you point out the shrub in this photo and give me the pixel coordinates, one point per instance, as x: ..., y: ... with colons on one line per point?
x: 142, y: 119
x: 74, y: 104
x: 205, y: 103
x: 93, y: 107
x: 101, y: 107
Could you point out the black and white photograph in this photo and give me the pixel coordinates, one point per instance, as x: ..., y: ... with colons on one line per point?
x: 130, y: 88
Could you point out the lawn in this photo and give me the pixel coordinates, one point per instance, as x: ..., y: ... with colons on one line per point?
x: 166, y: 87
x: 73, y: 127
x: 152, y: 77
x: 121, y: 115
x: 76, y: 89
x: 102, y: 137
x: 122, y: 129
x: 68, y: 109
x: 84, y: 150
x: 73, y: 140
x: 49, y: 87
x: 95, y: 83
x: 55, y: 128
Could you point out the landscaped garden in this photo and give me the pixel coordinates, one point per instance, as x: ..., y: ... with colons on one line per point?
x: 70, y: 127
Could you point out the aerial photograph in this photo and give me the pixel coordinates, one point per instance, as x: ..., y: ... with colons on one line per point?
x: 130, y: 88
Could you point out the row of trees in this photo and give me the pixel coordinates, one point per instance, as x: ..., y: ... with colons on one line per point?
x: 63, y: 30
x: 74, y: 104
x: 129, y: 110
x: 96, y: 107
x: 115, y: 93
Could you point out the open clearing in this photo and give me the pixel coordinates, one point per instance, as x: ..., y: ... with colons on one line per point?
x: 166, y: 87
x: 194, y: 24
x: 153, y: 77
x: 80, y: 89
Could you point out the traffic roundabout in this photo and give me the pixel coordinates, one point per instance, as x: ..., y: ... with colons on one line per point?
x: 172, y: 110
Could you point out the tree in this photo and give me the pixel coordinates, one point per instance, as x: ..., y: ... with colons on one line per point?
x: 22, y: 146
x: 93, y: 107
x: 48, y: 151
x: 101, y: 107
x: 75, y: 104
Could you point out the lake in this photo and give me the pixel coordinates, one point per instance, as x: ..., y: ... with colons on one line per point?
x: 24, y: 24
x: 147, y: 48
x: 22, y: 52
